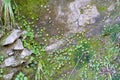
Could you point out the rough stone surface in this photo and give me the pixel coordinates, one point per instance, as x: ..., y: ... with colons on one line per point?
x: 80, y: 13
x: 12, y: 37
x: 10, y: 52
x: 117, y: 20
x: 81, y: 16
x: 18, y: 45
x: 11, y: 61
x: 8, y: 76
x: 23, y: 34
x: 55, y: 46
x: 109, y: 20
x: 25, y: 53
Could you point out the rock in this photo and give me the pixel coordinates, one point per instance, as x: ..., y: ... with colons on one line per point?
x: 56, y: 46
x: 91, y: 14
x: 52, y: 40
x: 10, y: 52
x: 12, y: 37
x: 117, y: 20
x: 9, y: 49
x: 18, y: 45
x: 111, y: 8
x: 23, y: 34
x: 60, y: 15
x: 81, y: 14
x: 109, y: 20
x: 25, y: 53
x: 11, y: 61
x: 8, y: 76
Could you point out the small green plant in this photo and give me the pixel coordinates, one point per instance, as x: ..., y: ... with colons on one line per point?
x: 83, y: 52
x: 1, y: 59
x: 112, y: 31
x: 21, y: 76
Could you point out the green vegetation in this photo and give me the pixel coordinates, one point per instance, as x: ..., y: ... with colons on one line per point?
x: 102, y: 8
x: 87, y: 59
x: 8, y: 15
x: 21, y: 76
x: 83, y: 51
x: 32, y: 8
x: 112, y: 31
x: 1, y: 59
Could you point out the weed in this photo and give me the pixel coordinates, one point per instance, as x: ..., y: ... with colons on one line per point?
x: 21, y: 76
x: 112, y: 31
x: 1, y: 59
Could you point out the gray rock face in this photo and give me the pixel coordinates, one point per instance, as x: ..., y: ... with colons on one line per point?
x: 25, y: 53
x: 56, y: 46
x: 81, y: 14
x: 12, y: 37
x: 11, y: 61
x: 23, y: 34
x: 117, y: 20
x: 18, y: 45
x: 8, y: 76
x: 74, y: 9
x: 111, y: 8
x: 10, y: 52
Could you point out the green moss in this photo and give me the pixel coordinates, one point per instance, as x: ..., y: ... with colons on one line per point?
x: 31, y: 8
x: 102, y: 8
